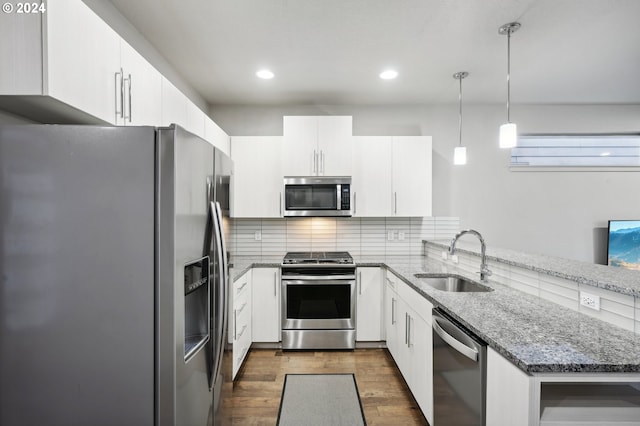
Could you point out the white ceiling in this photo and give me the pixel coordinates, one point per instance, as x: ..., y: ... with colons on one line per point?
x: 331, y: 51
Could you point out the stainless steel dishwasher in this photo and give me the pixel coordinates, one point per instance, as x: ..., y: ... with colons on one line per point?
x: 459, y: 374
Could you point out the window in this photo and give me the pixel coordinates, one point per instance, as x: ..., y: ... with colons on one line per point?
x: 575, y: 150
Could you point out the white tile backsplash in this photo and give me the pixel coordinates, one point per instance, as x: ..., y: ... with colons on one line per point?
x: 358, y: 236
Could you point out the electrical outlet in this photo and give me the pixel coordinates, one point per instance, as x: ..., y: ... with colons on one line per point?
x: 445, y: 255
x: 257, y: 236
x: 590, y: 301
x: 390, y: 235
x: 400, y: 235
x: 454, y: 258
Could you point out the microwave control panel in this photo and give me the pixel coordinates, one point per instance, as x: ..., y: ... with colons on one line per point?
x: 346, y: 197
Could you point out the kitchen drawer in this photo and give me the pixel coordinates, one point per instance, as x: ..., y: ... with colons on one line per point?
x: 241, y: 330
x: 241, y: 319
x: 241, y: 349
x: 241, y: 284
x: 391, y: 279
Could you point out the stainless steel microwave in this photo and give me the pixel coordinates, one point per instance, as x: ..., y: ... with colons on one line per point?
x: 317, y: 196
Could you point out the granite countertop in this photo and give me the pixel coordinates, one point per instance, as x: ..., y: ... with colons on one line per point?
x: 607, y: 277
x: 536, y: 335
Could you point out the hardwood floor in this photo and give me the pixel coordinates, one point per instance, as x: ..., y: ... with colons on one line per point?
x: 386, y: 400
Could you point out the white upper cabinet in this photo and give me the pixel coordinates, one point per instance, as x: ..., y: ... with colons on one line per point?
x: 81, y: 58
x: 218, y: 137
x: 141, y: 90
x: 391, y: 176
x: 317, y: 146
x: 195, y: 119
x: 371, y: 184
x: 257, y: 177
x: 174, y: 105
x: 411, y: 175
x: 81, y: 69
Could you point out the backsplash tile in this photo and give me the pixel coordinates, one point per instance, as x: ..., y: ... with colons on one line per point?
x: 358, y: 236
x: 559, y: 290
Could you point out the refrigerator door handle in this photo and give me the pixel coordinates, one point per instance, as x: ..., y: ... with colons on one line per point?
x: 216, y: 219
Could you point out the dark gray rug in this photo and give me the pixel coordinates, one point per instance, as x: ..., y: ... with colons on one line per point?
x: 320, y: 400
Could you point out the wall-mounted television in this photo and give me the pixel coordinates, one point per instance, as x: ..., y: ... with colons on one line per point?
x: 623, y: 248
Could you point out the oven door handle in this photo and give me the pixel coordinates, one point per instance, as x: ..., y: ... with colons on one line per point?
x: 306, y: 280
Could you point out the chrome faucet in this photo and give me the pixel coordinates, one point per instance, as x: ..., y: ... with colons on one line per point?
x: 484, y: 270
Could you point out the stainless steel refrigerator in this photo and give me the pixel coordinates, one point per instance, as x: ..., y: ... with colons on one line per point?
x: 113, y: 277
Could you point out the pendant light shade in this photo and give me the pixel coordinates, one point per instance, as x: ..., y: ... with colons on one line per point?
x: 509, y: 130
x: 460, y: 155
x: 508, y: 135
x: 460, y: 152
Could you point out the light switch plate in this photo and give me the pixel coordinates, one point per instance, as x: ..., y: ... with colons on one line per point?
x: 258, y: 236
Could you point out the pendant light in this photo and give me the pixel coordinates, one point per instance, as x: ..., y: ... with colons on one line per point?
x: 460, y: 152
x: 509, y: 130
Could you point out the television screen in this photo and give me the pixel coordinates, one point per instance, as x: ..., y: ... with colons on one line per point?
x: 623, y: 249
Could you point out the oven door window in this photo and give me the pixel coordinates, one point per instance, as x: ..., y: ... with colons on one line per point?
x: 311, y: 197
x: 317, y: 301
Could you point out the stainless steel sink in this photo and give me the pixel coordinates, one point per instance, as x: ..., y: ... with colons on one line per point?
x: 452, y: 283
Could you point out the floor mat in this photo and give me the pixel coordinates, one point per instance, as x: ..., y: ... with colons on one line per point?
x: 320, y: 400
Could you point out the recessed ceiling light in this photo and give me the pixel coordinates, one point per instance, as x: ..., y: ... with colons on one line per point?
x: 388, y: 74
x: 265, y: 74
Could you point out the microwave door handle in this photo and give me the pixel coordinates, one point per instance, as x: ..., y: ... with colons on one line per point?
x: 338, y: 197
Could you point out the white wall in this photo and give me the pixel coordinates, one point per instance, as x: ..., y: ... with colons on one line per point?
x: 554, y: 213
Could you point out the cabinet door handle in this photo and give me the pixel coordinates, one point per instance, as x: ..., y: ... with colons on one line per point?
x: 355, y: 205
x: 360, y: 282
x: 315, y: 162
x: 395, y: 203
x: 242, y: 307
x: 275, y: 284
x: 322, y: 161
x: 406, y: 329
x: 280, y: 203
x: 393, y: 311
x: 127, y: 82
x: 409, y: 330
x: 241, y: 287
x: 244, y: 327
x: 119, y: 88
x: 235, y: 320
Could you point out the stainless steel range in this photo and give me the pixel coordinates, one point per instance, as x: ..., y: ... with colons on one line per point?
x: 318, y: 300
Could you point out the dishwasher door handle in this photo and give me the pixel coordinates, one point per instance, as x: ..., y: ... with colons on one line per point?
x: 465, y: 350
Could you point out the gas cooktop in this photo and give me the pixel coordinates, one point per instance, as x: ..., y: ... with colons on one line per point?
x: 317, y: 257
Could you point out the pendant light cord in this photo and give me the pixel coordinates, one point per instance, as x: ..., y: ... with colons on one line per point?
x: 508, y: 75
x: 460, y: 110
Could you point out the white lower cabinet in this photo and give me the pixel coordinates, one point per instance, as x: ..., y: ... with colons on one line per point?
x: 559, y: 399
x: 266, y: 305
x: 508, y: 392
x: 369, y: 304
x: 240, y: 319
x: 409, y: 339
